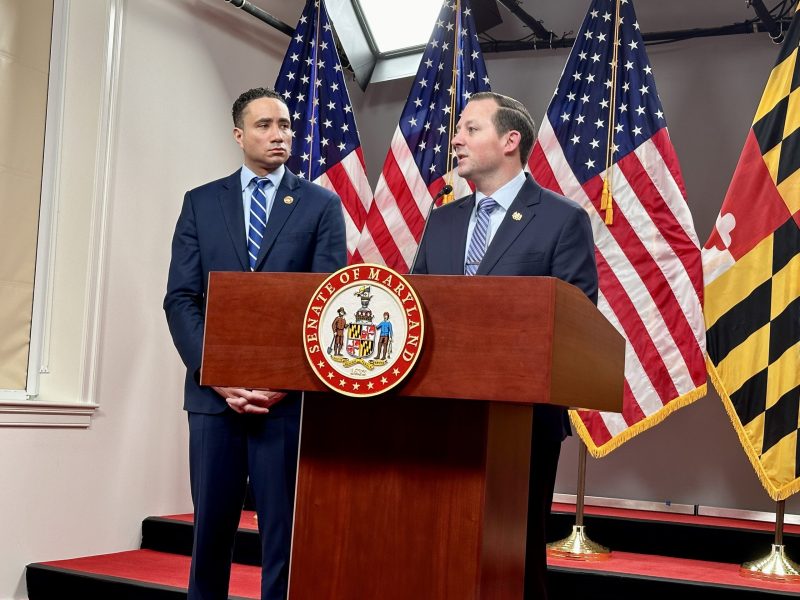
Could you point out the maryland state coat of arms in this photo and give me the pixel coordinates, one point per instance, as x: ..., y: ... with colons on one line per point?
x: 363, y: 330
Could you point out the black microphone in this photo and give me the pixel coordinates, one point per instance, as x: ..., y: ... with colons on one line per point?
x: 446, y: 189
x: 442, y: 192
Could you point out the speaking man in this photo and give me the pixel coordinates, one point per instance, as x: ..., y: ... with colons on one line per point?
x: 512, y: 226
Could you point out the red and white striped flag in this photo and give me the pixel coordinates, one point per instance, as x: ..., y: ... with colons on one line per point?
x: 420, y: 162
x: 326, y: 147
x: 648, y: 254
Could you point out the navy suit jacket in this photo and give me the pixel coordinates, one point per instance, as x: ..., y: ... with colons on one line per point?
x: 304, y: 234
x: 553, y: 237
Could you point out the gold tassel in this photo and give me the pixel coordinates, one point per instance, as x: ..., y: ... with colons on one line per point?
x: 609, y: 213
x: 607, y: 202
x: 605, y: 196
x: 447, y: 198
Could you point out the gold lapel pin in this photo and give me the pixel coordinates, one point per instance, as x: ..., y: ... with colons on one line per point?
x: 288, y: 200
x: 517, y: 216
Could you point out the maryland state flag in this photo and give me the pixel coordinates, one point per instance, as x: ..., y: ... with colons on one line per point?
x: 751, y: 266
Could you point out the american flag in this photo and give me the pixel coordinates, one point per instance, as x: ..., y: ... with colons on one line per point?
x: 419, y: 162
x: 648, y: 254
x: 326, y: 147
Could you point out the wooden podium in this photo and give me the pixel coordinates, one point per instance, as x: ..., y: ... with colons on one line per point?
x: 420, y: 494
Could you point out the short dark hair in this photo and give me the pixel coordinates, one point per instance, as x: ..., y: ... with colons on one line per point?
x: 511, y: 114
x: 246, y: 98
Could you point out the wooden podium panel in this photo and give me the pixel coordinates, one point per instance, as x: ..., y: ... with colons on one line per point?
x: 408, y: 499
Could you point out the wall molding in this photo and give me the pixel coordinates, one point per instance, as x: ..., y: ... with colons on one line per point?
x: 666, y: 507
x: 46, y: 414
x: 97, y: 256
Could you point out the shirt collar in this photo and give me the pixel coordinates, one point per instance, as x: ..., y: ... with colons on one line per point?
x: 275, y: 177
x: 506, y: 194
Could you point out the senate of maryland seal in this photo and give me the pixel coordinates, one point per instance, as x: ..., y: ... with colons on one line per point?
x: 363, y: 330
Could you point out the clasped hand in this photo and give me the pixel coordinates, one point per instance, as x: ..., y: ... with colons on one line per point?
x: 257, y: 402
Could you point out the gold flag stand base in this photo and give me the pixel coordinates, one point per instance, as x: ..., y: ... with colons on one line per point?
x: 578, y: 546
x: 776, y: 566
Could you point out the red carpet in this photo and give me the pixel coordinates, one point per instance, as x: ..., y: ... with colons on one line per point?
x: 158, y: 568
x: 172, y: 570
x: 673, y: 568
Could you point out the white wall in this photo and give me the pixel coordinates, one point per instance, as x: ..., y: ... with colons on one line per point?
x: 74, y: 492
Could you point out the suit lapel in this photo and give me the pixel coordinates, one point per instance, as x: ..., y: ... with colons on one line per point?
x: 457, y: 234
x: 282, y: 207
x: 523, y: 205
x: 230, y: 199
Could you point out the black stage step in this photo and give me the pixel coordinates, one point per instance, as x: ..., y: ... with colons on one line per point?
x: 680, y: 536
x: 654, y: 554
x: 171, y: 534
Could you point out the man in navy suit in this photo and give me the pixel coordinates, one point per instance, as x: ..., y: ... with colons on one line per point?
x: 260, y: 218
x: 526, y: 230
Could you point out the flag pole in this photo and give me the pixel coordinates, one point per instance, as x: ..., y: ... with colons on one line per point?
x: 450, y: 196
x: 606, y: 197
x: 577, y: 545
x: 775, y: 566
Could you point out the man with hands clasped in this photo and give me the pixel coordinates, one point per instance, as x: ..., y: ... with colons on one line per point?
x: 260, y: 218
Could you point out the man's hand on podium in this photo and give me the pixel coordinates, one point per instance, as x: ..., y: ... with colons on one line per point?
x: 257, y: 402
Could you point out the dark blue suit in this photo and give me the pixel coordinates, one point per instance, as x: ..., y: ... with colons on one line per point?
x: 552, y: 237
x: 306, y: 234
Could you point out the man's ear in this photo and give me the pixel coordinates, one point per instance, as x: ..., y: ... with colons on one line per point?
x: 237, y: 135
x: 513, y: 139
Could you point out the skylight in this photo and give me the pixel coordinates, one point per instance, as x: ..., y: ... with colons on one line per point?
x: 396, y: 26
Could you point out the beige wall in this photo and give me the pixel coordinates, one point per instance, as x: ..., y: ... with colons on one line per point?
x: 24, y: 67
x: 74, y: 492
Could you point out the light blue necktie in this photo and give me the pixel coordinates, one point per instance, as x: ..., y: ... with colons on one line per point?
x: 477, y: 245
x: 258, y: 219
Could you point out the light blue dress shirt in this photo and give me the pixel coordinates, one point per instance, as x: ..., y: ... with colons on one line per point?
x: 248, y: 187
x: 504, y: 197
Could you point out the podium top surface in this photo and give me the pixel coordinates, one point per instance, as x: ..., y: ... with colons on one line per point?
x: 506, y: 339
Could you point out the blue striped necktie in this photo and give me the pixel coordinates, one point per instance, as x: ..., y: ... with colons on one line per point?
x: 477, y: 245
x: 258, y: 219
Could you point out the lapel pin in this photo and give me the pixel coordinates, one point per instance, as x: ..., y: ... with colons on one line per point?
x: 517, y: 216
x: 288, y: 200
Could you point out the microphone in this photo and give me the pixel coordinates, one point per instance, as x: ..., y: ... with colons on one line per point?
x: 446, y: 189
